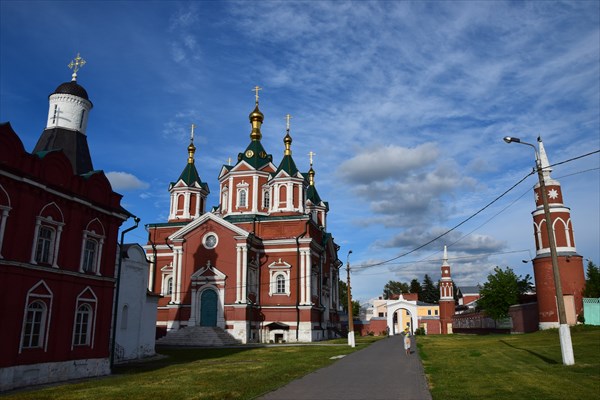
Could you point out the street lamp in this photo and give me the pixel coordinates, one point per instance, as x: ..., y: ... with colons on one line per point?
x: 351, y: 342
x: 564, y: 333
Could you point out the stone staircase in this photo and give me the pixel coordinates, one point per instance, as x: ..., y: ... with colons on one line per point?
x: 198, y: 336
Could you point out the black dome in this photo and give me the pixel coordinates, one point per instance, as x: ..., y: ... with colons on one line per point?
x: 73, y: 88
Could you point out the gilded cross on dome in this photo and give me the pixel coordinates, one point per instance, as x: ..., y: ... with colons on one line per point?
x: 192, y: 134
x: 287, y: 121
x: 75, y: 65
x: 256, y: 89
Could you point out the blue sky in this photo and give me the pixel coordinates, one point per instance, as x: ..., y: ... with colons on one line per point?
x: 404, y: 103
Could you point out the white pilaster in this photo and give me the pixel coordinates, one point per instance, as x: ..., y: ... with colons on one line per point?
x: 255, y: 194
x: 244, y: 274
x: 238, y: 275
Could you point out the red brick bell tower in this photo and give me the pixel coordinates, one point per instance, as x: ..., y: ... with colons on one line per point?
x: 447, y: 304
x: 570, y: 264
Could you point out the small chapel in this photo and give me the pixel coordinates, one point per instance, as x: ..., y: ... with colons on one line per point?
x: 261, y: 266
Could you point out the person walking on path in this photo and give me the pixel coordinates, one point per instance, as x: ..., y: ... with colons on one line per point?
x: 376, y: 372
x: 407, y: 343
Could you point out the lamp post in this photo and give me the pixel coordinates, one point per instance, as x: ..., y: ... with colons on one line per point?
x: 564, y: 332
x: 351, y: 342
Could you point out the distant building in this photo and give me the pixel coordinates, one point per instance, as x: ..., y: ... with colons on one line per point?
x: 59, y: 220
x: 260, y: 266
x: 136, y: 320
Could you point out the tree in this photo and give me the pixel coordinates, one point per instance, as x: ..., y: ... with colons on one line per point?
x: 592, y: 281
x: 355, y: 308
x: 343, y: 295
x: 415, y: 287
x: 429, y: 294
x: 502, y: 289
x: 344, y: 300
x: 393, y: 287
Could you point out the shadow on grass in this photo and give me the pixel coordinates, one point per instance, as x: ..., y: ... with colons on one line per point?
x: 175, y: 356
x: 533, y: 353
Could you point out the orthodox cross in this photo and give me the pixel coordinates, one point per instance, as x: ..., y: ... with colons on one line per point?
x: 256, y: 89
x: 311, y: 154
x: 229, y: 161
x: 192, y: 137
x: 76, y: 64
x: 287, y: 121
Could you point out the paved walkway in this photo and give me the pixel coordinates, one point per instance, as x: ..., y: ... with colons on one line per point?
x: 381, y: 371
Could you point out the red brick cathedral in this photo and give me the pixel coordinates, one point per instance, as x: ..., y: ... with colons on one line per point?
x: 569, y: 262
x: 261, y: 265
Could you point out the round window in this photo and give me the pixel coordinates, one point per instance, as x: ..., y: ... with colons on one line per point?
x: 210, y: 241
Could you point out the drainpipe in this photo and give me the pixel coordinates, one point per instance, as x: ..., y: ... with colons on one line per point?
x: 298, y: 278
x: 116, y: 306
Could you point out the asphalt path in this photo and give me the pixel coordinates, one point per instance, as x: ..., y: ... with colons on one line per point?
x: 381, y: 371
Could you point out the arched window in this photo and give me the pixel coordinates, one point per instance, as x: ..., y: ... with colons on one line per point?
x: 170, y: 286
x: 35, y: 323
x: 124, y: 316
x: 45, y: 245
x: 83, y: 320
x: 266, y: 198
x: 90, y: 253
x: 242, y: 198
x: 280, y: 284
x: 224, y: 203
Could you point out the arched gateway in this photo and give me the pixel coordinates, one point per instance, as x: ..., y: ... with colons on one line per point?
x: 393, y: 307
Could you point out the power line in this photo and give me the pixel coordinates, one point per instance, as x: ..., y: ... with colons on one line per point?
x: 365, y: 266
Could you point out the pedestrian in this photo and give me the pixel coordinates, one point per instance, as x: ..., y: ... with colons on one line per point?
x: 407, y: 343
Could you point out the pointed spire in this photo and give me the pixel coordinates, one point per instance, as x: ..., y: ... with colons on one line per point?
x: 256, y: 119
x: 75, y: 65
x: 445, y: 260
x: 544, y: 163
x: 191, y: 147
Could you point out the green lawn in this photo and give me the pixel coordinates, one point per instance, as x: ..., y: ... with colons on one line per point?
x: 238, y: 373
x: 512, y: 366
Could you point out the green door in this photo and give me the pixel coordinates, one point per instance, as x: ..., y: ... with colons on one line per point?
x: 208, y: 313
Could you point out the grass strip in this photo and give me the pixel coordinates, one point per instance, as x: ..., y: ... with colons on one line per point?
x: 508, y: 367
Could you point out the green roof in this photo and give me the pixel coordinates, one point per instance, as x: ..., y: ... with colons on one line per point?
x: 255, y: 155
x: 288, y: 165
x: 313, y: 195
x: 190, y: 176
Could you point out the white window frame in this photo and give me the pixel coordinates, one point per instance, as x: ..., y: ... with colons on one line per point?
x: 86, y: 299
x: 276, y: 269
x: 57, y: 226
x: 267, y: 198
x: 224, y: 202
x: 83, y: 321
x: 4, y: 210
x: 242, y: 198
x: 89, y: 236
x: 44, y: 296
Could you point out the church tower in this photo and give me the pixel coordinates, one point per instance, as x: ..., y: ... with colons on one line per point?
x: 244, y: 187
x: 287, y: 183
x: 570, y: 263
x: 318, y: 208
x: 447, y: 304
x: 188, y: 193
x: 67, y: 122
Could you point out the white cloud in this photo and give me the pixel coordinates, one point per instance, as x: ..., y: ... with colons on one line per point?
x: 125, y: 181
